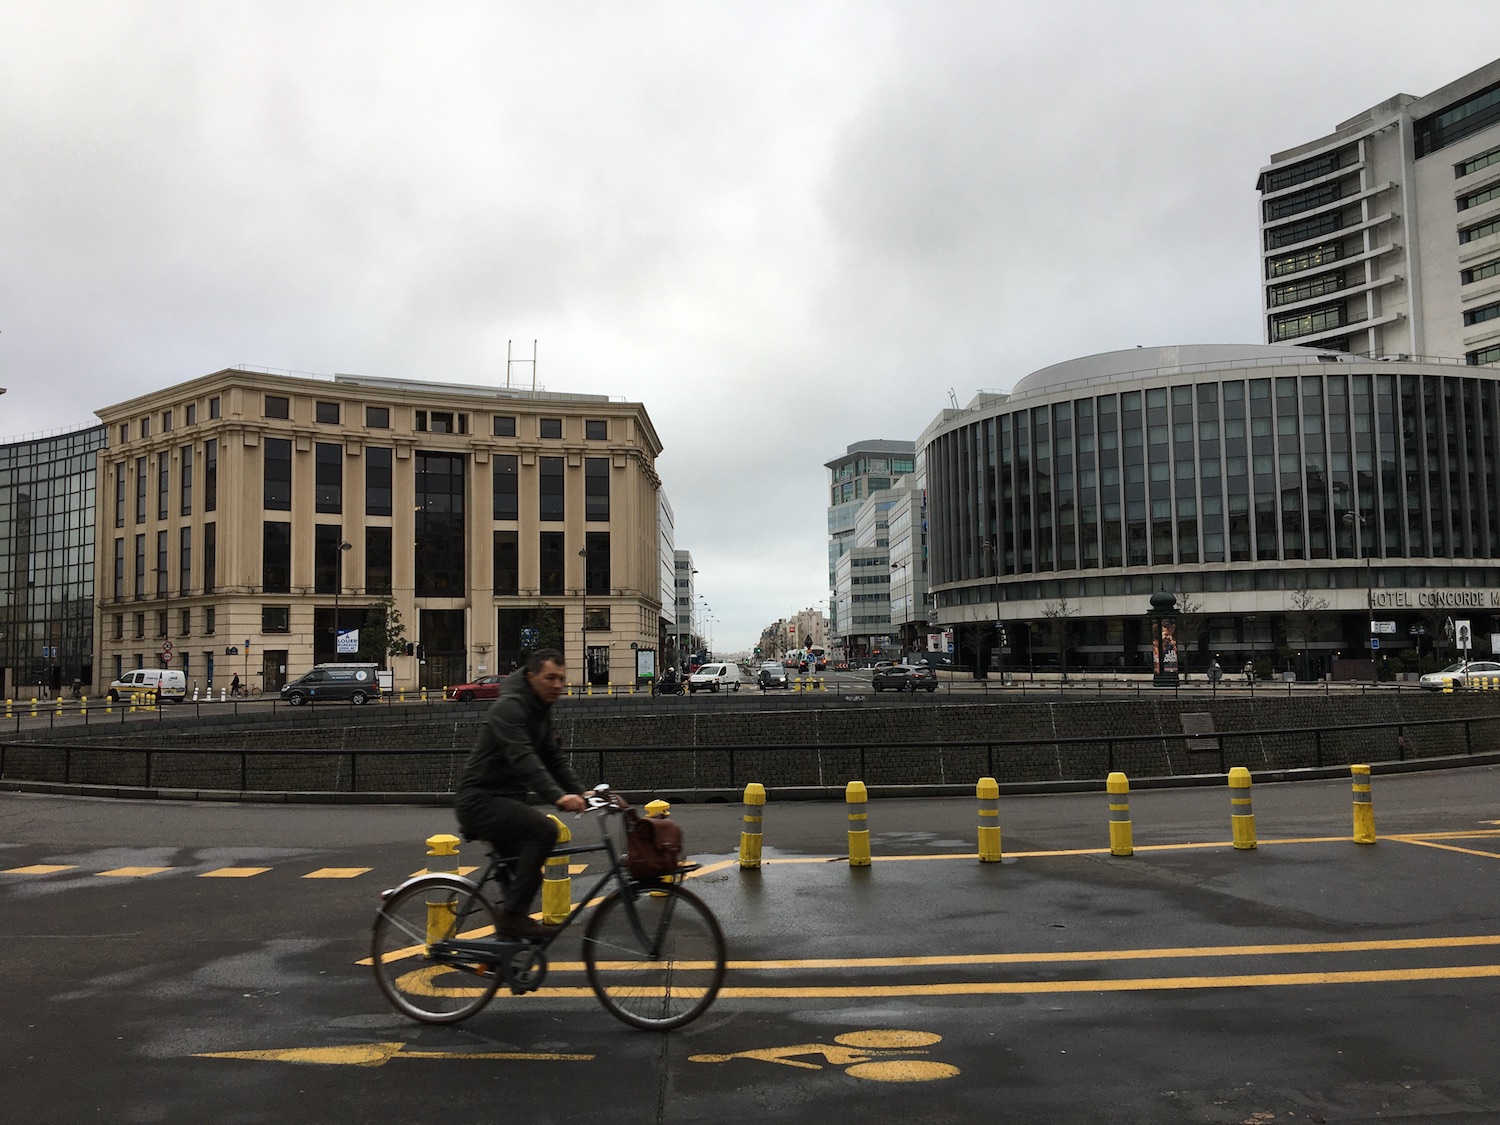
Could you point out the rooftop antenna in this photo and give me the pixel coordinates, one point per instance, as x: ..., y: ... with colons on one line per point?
x: 509, y: 361
x: 953, y: 398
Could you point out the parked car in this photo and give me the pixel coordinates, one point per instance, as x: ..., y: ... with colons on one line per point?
x: 167, y: 683
x: 772, y: 675
x: 344, y: 683
x: 1456, y: 676
x: 904, y: 677
x: 715, y: 677
x: 485, y: 687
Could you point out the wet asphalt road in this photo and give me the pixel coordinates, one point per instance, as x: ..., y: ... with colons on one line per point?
x: 1311, y: 979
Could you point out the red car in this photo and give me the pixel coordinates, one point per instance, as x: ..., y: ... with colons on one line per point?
x: 486, y: 687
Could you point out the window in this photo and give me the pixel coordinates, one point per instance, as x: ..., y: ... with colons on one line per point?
x: 549, y: 427
x: 1304, y: 259
x: 439, y: 525
x: 326, y: 413
x: 1301, y: 173
x: 550, y: 560
x: 1475, y: 163
x: 184, y: 560
x: 377, y: 481
x: 278, y: 474
x: 1462, y: 119
x: 596, y: 618
x: 596, y: 429
x: 210, y: 558
x: 1306, y: 290
x: 1479, y: 230
x: 187, y: 480
x: 505, y: 425
x: 213, y: 407
x: 140, y: 567
x: 140, y: 627
x: 377, y: 560
x: 550, y: 489
x: 161, y: 568
x: 190, y: 414
x: 1483, y: 356
x: 119, y: 569
x: 378, y: 417
x: 208, y: 621
x: 211, y: 474
x: 328, y: 482
x: 120, y: 495
x: 327, y: 559
x: 507, y: 487
x: 124, y: 432
x: 140, y: 490
x: 507, y: 563
x: 596, y: 563
x: 1482, y: 314
x: 1301, y: 232
x: 1466, y: 277
x: 1300, y: 201
x: 278, y: 406
x: 119, y: 626
x: 186, y: 626
x: 275, y: 619
x: 1475, y: 198
x: 1304, y: 324
x: 442, y: 422
x: 166, y: 421
x: 145, y: 427
x: 596, y: 488
x: 276, y: 557
x: 163, y: 482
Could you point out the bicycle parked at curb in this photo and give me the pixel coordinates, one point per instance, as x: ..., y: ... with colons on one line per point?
x: 653, y: 951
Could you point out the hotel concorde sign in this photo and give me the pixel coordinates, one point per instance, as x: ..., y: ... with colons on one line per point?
x: 1435, y: 599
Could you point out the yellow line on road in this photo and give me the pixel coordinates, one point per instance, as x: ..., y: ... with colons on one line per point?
x: 1443, y: 847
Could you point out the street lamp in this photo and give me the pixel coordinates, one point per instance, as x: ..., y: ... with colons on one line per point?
x: 1357, y: 522
x: 338, y: 586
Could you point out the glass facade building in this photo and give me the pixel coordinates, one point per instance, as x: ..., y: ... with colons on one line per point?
x: 1283, y: 494
x: 47, y: 502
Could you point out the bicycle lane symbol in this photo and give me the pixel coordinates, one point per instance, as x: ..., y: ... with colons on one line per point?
x: 871, y: 1055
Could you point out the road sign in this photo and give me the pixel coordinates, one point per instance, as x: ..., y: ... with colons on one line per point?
x: 1374, y: 643
x: 1462, y: 635
x: 166, y: 652
x: 1382, y: 626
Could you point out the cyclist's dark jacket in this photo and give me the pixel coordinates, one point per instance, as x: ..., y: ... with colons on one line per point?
x: 518, y: 751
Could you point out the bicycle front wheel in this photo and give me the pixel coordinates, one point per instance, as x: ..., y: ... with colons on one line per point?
x: 654, y: 956
x: 407, y: 925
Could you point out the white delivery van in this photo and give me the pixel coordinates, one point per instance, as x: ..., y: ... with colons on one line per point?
x: 715, y: 677
x: 167, y: 683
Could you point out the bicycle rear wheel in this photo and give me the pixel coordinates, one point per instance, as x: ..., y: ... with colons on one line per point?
x: 655, y: 956
x: 406, y: 926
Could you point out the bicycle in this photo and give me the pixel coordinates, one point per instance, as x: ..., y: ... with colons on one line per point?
x: 653, y: 951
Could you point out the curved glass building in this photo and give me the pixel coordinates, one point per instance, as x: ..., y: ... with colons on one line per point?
x: 1293, y: 499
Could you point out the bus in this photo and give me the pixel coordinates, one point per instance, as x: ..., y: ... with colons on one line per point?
x: 814, y: 658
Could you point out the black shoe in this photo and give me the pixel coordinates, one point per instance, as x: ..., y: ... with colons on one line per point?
x: 515, y: 925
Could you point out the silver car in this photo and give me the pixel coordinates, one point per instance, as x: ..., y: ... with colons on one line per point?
x: 1456, y: 676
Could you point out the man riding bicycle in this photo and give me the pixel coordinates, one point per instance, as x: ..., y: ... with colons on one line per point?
x: 518, y: 753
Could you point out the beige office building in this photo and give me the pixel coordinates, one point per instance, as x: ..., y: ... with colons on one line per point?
x: 256, y: 524
x: 1383, y: 237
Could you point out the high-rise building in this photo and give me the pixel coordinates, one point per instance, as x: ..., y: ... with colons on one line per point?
x: 1383, y: 237
x: 865, y: 468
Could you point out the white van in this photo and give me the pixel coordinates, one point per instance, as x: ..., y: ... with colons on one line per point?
x: 167, y: 683
x: 715, y: 677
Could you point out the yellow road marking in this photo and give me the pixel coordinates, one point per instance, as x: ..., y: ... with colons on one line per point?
x: 234, y: 873
x: 41, y: 869
x: 378, y: 1054
x: 337, y: 872
x: 1444, y: 847
x: 460, y: 871
x: 132, y: 872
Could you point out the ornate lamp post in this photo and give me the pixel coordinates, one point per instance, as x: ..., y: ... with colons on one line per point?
x: 338, y: 587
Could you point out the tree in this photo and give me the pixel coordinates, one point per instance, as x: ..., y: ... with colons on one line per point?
x: 1192, y: 623
x: 1306, y: 616
x: 1058, y: 629
x: 382, y: 635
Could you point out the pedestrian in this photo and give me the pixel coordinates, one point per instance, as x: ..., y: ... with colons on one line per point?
x: 1249, y: 673
x: 1215, y: 673
x: 234, y: 686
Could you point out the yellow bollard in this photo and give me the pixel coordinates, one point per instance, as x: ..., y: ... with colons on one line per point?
x: 424, y: 695
x: 1121, y: 835
x: 658, y: 807
x: 83, y: 705
x: 822, y: 684
x: 1364, y: 808
x: 750, y: 834
x: 9, y: 708
x: 557, y: 882
x: 442, y: 859
x: 1242, y: 818
x: 988, y: 793
x: 859, y: 824
x: 33, y: 706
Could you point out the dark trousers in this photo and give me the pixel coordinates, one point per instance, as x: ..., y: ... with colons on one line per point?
x: 513, y: 828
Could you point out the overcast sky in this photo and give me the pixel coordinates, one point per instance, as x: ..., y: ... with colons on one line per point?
x: 784, y: 227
